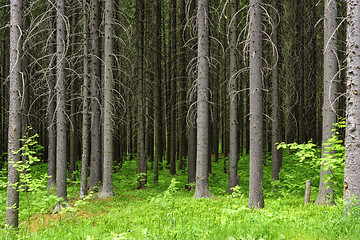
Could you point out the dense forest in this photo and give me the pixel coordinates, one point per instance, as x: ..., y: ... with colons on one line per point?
x: 182, y: 88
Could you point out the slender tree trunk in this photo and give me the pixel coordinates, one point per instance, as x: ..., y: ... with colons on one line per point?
x: 191, y: 123
x: 12, y: 203
x: 86, y: 115
x: 275, y: 134
x: 234, y: 138
x: 157, y: 93
x: 173, y: 65
x: 202, y: 183
x: 72, y: 140
x: 256, y: 197
x: 182, y: 91
x: 142, y: 161
x: 330, y: 87
x: 51, y: 101
x: 61, y: 144
x: 107, y: 188
x: 95, y: 157
x: 352, y: 141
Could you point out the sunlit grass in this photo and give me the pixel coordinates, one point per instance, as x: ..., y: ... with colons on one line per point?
x: 168, y: 211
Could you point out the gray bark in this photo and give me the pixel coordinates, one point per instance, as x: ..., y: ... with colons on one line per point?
x: 275, y: 134
x: 233, y: 87
x: 256, y: 198
x: 202, y: 183
x: 72, y: 141
x: 107, y: 188
x: 352, y: 141
x: 157, y: 93
x: 330, y: 87
x: 173, y: 79
x: 51, y: 102
x: 85, y: 121
x: 95, y: 155
x: 142, y: 161
x: 12, y: 203
x: 61, y: 144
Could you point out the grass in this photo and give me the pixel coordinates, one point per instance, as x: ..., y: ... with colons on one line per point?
x: 168, y: 211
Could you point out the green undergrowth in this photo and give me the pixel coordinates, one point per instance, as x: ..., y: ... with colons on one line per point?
x: 169, y: 211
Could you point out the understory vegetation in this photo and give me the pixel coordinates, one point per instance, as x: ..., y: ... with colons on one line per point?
x: 169, y: 211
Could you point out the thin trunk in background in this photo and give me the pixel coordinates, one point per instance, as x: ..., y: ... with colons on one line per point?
x: 276, y: 154
x: 142, y: 161
x: 157, y: 93
x: 95, y: 155
x: 85, y: 98
x: 233, y: 88
x: 51, y: 100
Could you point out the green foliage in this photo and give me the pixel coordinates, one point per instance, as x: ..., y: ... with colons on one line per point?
x: 310, y: 161
x: 167, y: 211
x: 32, y: 182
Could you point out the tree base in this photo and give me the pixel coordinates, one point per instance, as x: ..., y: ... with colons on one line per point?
x: 106, y: 194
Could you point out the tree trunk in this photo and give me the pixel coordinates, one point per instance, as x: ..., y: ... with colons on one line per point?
x: 256, y: 197
x: 202, y: 183
x: 352, y: 141
x: 61, y: 144
x: 51, y: 102
x: 234, y: 137
x: 330, y: 87
x: 107, y: 188
x: 12, y: 203
x: 157, y: 93
x: 73, y: 91
x: 275, y: 134
x: 85, y: 98
x: 142, y: 163
x: 95, y: 157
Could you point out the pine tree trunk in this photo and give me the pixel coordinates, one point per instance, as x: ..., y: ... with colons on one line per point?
x: 51, y: 102
x: 95, y: 155
x: 234, y: 137
x: 142, y: 161
x: 61, y: 123
x: 202, y: 183
x: 157, y: 93
x: 107, y: 188
x: 275, y: 134
x: 352, y: 142
x: 330, y: 87
x: 256, y: 198
x: 86, y: 114
x: 12, y: 203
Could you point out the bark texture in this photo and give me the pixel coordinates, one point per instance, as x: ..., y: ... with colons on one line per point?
x: 256, y: 197
x: 61, y: 143
x: 276, y: 154
x: 51, y: 100
x: 352, y: 141
x: 233, y: 87
x: 95, y: 155
x: 142, y: 163
x: 330, y: 87
x: 107, y: 188
x: 14, y: 131
x: 86, y: 115
x: 202, y: 183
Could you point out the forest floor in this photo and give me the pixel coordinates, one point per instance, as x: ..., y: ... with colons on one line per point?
x: 169, y: 211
